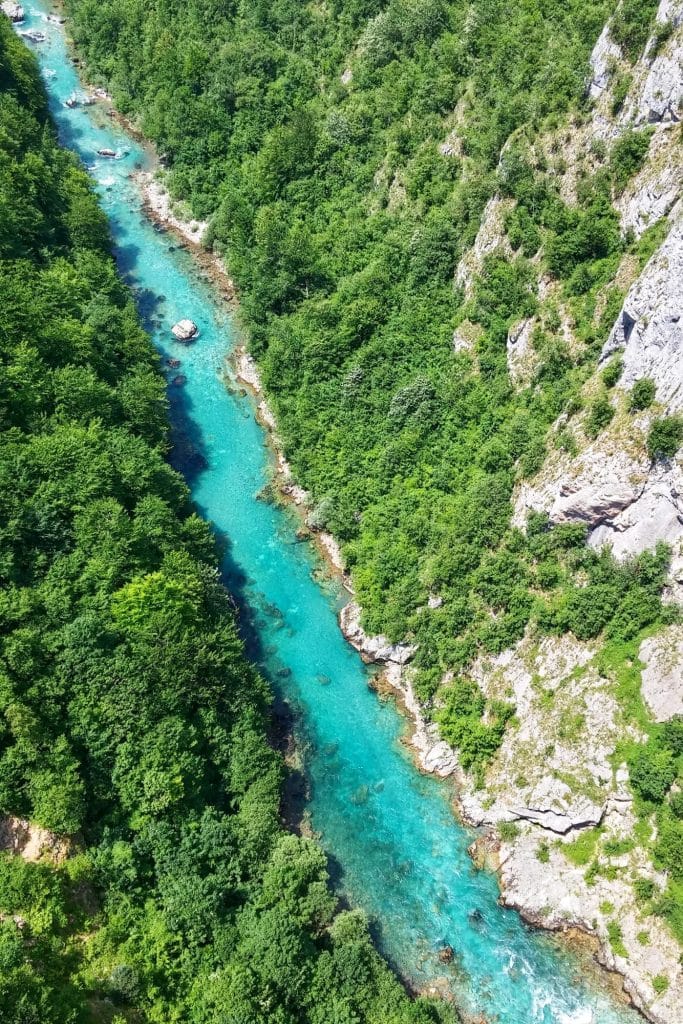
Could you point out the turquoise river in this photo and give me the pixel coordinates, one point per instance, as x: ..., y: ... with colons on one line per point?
x: 394, y: 845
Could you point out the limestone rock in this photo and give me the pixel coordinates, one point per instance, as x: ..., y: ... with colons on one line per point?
x: 452, y: 145
x: 605, y: 53
x: 465, y: 337
x: 490, y: 238
x: 655, y: 515
x: 519, y: 349
x: 649, y: 328
x: 658, y: 91
x: 653, y: 192
x: 185, y: 330
x: 662, y: 677
x: 372, y: 648
x: 593, y: 488
x: 553, y: 806
x: 31, y: 842
x: 13, y: 11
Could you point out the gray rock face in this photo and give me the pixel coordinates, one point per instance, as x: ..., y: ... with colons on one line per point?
x: 519, y: 349
x: 656, y: 515
x: 654, y: 191
x: 605, y: 54
x: 490, y: 238
x: 662, y: 677
x: 14, y: 12
x: 658, y: 92
x: 553, y: 806
x: 649, y: 328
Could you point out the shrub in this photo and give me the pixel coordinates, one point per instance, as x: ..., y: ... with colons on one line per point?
x: 643, y: 394
x: 616, y: 938
x: 660, y: 984
x: 508, y: 830
x: 600, y: 413
x: 665, y: 438
x: 627, y: 157
x: 652, y: 771
x: 613, y: 371
x: 644, y: 889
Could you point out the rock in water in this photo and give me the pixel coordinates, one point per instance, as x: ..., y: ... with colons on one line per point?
x: 185, y: 330
x: 13, y: 11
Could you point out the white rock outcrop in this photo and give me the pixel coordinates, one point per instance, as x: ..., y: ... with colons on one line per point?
x: 662, y: 675
x: 655, y: 515
x: 553, y: 806
x: 658, y: 89
x: 654, y: 190
x: 649, y: 329
x: 602, y: 61
x: 491, y: 238
x: 372, y: 648
x: 13, y: 11
x: 519, y: 350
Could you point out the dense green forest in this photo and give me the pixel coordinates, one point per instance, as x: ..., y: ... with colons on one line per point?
x: 311, y: 136
x: 343, y: 223
x: 130, y: 722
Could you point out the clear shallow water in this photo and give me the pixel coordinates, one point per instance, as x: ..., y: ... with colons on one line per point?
x: 394, y: 845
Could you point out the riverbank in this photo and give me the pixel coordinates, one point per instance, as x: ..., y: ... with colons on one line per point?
x: 523, y: 876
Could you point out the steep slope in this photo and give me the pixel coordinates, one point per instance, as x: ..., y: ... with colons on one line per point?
x: 456, y: 233
x: 144, y: 872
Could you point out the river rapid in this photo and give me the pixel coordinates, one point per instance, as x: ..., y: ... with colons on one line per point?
x: 394, y: 845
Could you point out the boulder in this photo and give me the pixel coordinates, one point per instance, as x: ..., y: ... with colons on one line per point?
x: 13, y: 11
x: 185, y: 330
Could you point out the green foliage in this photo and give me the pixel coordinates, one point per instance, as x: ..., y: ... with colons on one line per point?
x: 660, y: 984
x: 665, y: 437
x: 612, y: 372
x: 580, y: 851
x: 652, y: 770
x: 616, y: 938
x: 129, y: 716
x: 642, y: 394
x: 627, y: 156
x: 462, y: 725
x: 343, y: 224
x: 630, y: 26
x: 508, y: 831
x: 600, y: 414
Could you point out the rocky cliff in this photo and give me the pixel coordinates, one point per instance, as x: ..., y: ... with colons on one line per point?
x: 571, y: 845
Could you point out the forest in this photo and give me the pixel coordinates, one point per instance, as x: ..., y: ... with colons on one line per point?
x: 343, y: 222
x: 131, y: 724
x: 312, y: 138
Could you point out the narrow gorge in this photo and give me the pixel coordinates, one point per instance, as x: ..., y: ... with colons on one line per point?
x: 466, y: 388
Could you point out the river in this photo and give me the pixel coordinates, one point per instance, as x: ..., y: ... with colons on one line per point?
x: 394, y: 845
